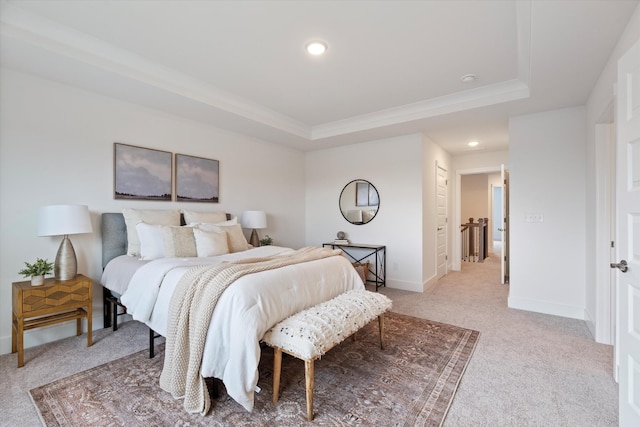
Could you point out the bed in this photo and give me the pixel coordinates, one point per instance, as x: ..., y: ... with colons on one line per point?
x: 250, y: 306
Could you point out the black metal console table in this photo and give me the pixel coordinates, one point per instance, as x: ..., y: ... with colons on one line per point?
x: 379, y: 253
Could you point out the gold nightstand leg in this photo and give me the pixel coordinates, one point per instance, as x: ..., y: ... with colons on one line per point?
x: 14, y: 344
x: 20, y: 341
x: 79, y: 323
x: 89, y: 325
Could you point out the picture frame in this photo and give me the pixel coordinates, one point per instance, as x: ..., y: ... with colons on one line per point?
x: 362, y: 194
x: 197, y: 179
x: 141, y: 173
x: 366, y: 194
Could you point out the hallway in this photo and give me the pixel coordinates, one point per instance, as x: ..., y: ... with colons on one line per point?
x: 528, y: 369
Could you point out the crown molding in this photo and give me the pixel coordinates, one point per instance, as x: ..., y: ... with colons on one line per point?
x: 486, y: 95
x: 27, y: 27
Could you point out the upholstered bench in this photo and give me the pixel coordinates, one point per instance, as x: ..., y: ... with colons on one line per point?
x: 309, y: 334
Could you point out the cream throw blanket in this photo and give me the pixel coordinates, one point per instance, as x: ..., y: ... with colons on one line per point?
x: 190, y: 311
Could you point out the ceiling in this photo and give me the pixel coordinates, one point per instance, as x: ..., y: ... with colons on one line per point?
x: 391, y: 68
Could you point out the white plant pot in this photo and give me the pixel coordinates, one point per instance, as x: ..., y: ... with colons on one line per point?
x: 37, y: 280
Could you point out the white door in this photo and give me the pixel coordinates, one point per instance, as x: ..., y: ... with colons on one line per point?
x: 441, y: 212
x: 505, y: 226
x: 628, y: 235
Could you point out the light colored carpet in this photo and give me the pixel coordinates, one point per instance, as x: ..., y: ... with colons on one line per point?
x: 528, y: 369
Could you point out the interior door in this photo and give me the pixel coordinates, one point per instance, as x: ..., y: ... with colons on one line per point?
x: 504, y: 256
x: 441, y: 233
x: 628, y: 235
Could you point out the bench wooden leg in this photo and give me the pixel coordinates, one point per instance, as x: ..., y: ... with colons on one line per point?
x: 381, y: 328
x: 309, y: 375
x: 277, y: 366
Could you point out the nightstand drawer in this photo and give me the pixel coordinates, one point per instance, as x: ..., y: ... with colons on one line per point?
x: 61, y: 294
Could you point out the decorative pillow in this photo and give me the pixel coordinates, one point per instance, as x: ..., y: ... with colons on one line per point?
x: 150, y: 235
x: 232, y: 221
x: 210, y: 243
x: 191, y: 217
x: 354, y: 215
x: 235, y: 237
x: 179, y: 241
x: 134, y: 216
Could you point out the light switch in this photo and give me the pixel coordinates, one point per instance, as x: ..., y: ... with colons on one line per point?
x: 533, y: 217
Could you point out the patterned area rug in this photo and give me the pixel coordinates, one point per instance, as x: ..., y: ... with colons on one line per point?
x: 411, y: 382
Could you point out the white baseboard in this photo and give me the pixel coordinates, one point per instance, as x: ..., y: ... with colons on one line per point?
x: 404, y: 285
x: 591, y: 324
x: 546, y: 307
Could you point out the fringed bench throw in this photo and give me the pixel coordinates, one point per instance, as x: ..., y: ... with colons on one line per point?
x: 309, y: 334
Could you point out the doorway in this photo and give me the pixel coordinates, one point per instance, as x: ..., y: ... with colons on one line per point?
x: 460, y: 218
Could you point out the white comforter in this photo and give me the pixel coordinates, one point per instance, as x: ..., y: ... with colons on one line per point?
x: 245, y: 311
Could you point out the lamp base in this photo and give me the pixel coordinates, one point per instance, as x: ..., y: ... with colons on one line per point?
x: 254, y: 240
x: 66, y: 266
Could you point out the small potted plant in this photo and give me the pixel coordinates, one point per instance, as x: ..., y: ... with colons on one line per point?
x: 266, y: 241
x: 37, y: 271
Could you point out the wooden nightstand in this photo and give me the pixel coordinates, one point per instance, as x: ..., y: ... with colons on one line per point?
x: 54, y: 302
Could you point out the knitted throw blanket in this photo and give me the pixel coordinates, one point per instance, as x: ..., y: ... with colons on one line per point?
x: 190, y: 310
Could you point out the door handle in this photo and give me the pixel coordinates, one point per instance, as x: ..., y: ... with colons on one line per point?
x: 440, y: 228
x: 501, y: 229
x: 622, y: 265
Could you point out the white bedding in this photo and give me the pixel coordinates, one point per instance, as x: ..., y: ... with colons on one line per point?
x: 245, y: 311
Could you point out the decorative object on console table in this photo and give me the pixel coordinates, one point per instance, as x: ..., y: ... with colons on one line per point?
x: 54, y: 302
x: 37, y: 271
x: 341, y: 238
x: 254, y: 220
x: 62, y: 220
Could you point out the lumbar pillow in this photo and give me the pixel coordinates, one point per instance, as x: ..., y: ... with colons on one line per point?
x: 133, y: 216
x: 151, y: 246
x: 191, y: 217
x: 235, y: 238
x: 210, y: 243
x: 179, y: 241
x: 231, y: 221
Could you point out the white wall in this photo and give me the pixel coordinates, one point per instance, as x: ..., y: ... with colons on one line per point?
x: 328, y: 171
x: 547, y: 160
x: 474, y: 202
x: 56, y: 146
x: 599, y: 302
x: 395, y: 166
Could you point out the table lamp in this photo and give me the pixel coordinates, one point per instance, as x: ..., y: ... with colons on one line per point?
x: 254, y: 220
x: 62, y: 220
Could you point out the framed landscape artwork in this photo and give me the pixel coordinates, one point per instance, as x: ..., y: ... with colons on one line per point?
x: 366, y: 194
x: 142, y: 173
x: 197, y: 179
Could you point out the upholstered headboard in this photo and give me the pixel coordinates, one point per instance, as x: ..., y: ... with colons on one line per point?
x: 114, y: 235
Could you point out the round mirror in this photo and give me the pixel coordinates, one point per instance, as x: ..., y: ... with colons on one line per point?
x: 359, y: 202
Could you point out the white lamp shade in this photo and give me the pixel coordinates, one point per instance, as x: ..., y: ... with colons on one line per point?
x: 58, y: 220
x: 254, y: 219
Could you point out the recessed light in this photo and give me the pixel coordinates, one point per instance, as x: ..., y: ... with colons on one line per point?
x: 468, y: 78
x: 473, y: 144
x: 316, y: 47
